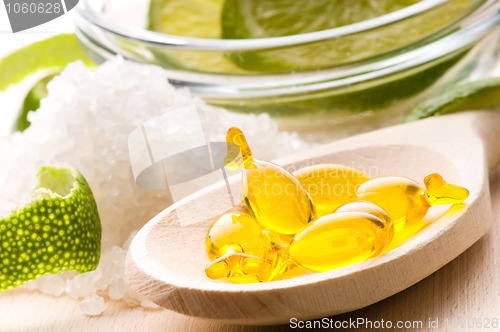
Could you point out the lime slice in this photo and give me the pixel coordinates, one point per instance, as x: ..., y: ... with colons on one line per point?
x: 190, y: 18
x: 32, y: 102
x: 469, y: 96
x: 242, y: 19
x: 58, y: 230
x: 52, y: 53
x: 247, y: 19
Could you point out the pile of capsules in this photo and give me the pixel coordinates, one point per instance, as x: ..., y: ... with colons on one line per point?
x: 320, y: 218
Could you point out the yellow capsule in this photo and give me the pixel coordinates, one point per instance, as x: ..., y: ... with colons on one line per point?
x: 331, y: 185
x: 293, y: 270
x: 338, y: 239
x: 276, y: 253
x: 405, y: 200
x: 377, y: 211
x: 278, y: 200
x: 438, y: 192
x: 399, y: 196
x: 239, y: 268
x: 234, y: 231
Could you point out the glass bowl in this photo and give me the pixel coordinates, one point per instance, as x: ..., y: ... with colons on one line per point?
x: 325, y: 84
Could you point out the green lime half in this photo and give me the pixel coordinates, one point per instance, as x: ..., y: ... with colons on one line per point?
x: 248, y: 19
x: 474, y: 95
x: 58, y: 230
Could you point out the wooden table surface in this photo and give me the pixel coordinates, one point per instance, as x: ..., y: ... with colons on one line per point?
x: 466, y: 288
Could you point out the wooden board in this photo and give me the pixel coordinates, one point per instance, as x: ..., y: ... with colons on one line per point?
x: 466, y: 288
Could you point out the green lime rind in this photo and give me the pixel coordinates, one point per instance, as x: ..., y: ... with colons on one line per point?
x: 58, y: 230
x: 32, y: 103
x: 153, y: 14
x: 479, y: 94
x: 53, y: 53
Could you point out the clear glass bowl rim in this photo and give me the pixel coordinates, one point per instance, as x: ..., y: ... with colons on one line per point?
x: 85, y: 11
x: 228, y: 86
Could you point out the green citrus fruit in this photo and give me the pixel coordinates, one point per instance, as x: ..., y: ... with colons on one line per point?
x: 57, y: 230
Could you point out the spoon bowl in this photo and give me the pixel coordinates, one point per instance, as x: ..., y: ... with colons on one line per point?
x: 166, y: 261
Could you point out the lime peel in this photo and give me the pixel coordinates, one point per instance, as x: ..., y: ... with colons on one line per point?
x: 58, y: 230
x: 53, y: 53
x: 32, y: 102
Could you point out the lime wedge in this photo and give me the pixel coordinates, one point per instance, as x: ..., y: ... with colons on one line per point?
x: 248, y: 19
x: 190, y: 18
x: 52, y: 53
x: 475, y: 95
x: 32, y: 102
x: 58, y: 230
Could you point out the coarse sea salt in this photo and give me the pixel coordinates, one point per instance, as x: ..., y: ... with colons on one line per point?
x: 93, y: 305
x: 85, y: 122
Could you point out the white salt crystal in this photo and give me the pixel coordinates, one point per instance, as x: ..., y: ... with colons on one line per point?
x: 118, y: 289
x: 32, y: 285
x: 52, y: 284
x: 85, y: 122
x: 149, y: 305
x: 83, y: 285
x: 93, y: 305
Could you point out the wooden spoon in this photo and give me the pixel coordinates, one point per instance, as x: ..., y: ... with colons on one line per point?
x: 166, y: 261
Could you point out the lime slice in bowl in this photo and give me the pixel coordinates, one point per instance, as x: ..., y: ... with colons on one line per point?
x: 57, y: 230
x: 243, y: 19
x: 190, y: 18
x: 248, y: 19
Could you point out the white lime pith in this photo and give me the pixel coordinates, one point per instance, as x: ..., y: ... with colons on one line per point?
x: 58, y: 230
